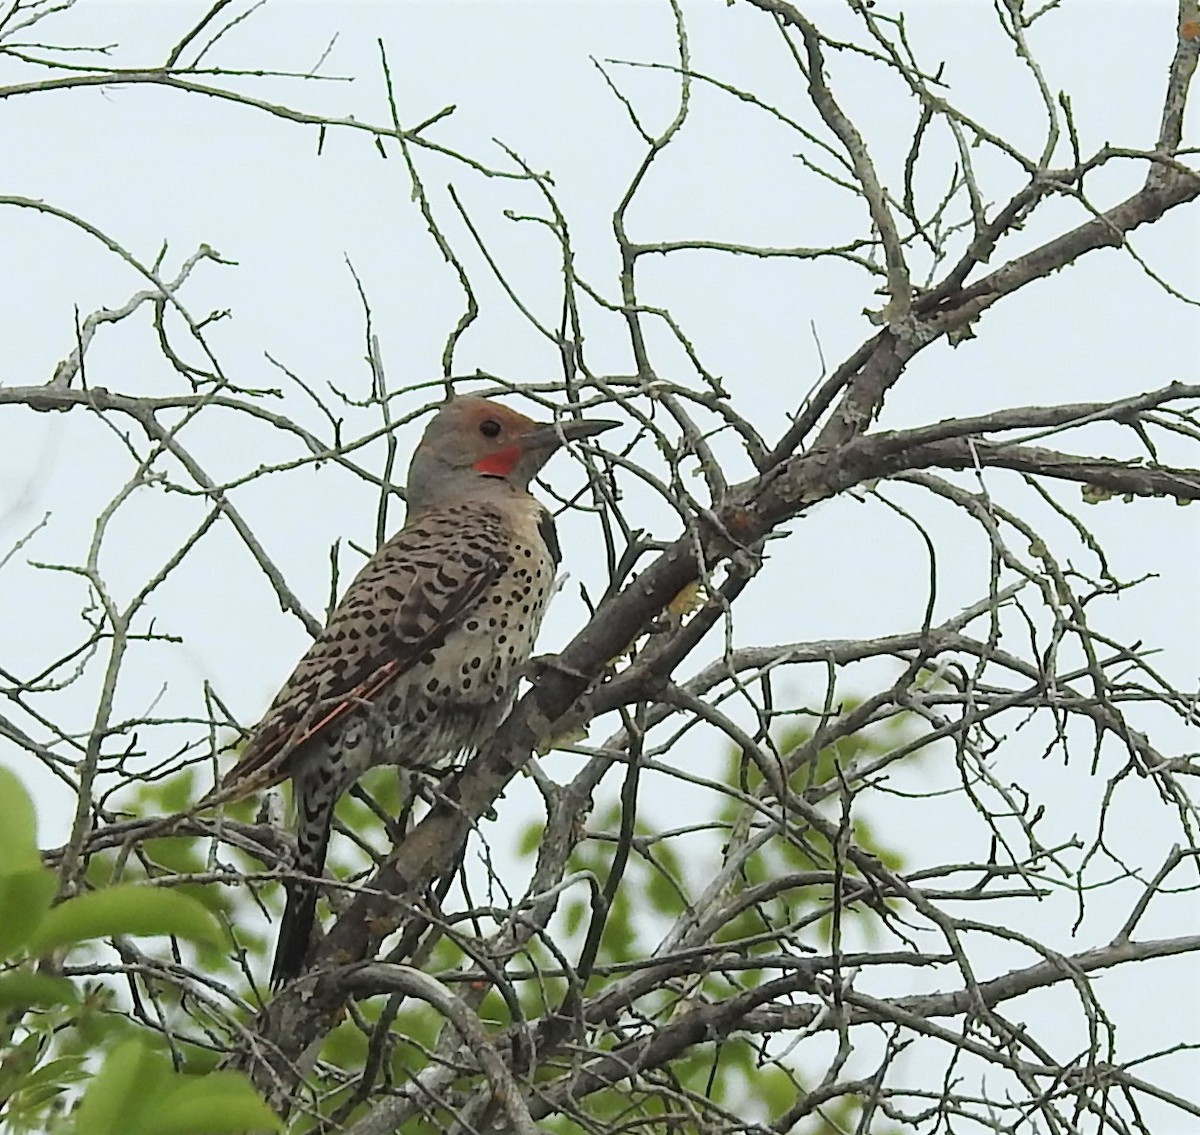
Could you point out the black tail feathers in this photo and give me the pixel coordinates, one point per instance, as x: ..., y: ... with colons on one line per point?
x: 300, y: 913
x: 295, y: 931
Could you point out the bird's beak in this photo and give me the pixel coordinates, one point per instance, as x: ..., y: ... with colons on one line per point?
x: 551, y: 434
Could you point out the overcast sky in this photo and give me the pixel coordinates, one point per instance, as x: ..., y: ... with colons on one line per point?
x: 149, y: 166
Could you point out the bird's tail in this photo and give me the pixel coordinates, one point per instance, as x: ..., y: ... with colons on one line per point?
x: 295, y: 930
x: 315, y: 812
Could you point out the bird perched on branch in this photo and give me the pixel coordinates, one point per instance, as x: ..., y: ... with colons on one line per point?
x: 419, y: 662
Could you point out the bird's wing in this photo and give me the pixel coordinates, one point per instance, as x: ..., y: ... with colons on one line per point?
x: 395, y: 612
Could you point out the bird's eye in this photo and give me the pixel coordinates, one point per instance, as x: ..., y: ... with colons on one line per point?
x: 490, y: 428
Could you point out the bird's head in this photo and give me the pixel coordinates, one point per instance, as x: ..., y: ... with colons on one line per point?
x: 472, y: 442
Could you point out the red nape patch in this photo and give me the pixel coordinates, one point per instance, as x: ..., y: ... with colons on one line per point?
x: 500, y: 463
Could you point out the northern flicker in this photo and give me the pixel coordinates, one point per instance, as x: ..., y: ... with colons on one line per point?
x: 419, y: 662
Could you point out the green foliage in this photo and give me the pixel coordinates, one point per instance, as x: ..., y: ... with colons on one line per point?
x: 60, y: 1030
x: 138, y: 1093
x: 25, y: 898
x: 53, y: 1027
x: 813, y: 852
x: 21, y: 989
x: 18, y: 833
x: 26, y: 886
x: 128, y: 908
x: 654, y: 894
x: 177, y: 855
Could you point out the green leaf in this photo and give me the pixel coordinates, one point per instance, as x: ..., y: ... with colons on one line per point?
x: 124, y: 909
x: 345, y: 1046
x: 18, y: 833
x: 26, y: 884
x: 531, y: 839
x: 125, y: 1094
x: 178, y: 855
x: 57, y: 1074
x: 19, y: 990
x: 29, y: 1097
x: 137, y: 1093
x: 221, y: 1103
x: 178, y: 792
x: 25, y: 898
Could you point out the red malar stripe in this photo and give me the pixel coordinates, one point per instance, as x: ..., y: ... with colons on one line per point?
x: 500, y: 463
